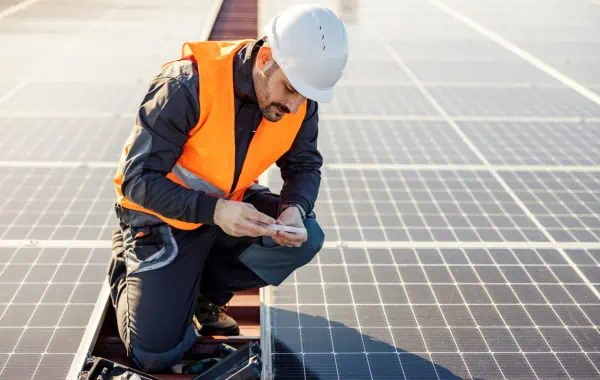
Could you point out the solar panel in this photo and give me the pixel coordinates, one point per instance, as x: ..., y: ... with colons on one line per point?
x: 536, y: 143
x: 458, y: 201
x: 392, y: 142
x: 566, y: 203
x: 73, y: 76
x: 69, y: 139
x: 56, y: 203
x: 420, y: 205
x: 82, y: 98
x: 496, y: 101
x: 467, y: 72
x: 48, y: 295
x: 512, y: 308
x: 378, y: 100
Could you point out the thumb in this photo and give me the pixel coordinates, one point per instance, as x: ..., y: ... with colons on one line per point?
x: 284, y: 218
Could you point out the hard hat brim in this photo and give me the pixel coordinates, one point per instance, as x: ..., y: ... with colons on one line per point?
x: 318, y: 95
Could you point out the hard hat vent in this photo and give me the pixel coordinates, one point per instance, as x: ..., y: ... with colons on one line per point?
x: 322, y: 36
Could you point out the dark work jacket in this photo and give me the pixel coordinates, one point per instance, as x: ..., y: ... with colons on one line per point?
x: 170, y: 110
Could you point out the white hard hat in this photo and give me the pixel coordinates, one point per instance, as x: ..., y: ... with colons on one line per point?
x: 310, y: 44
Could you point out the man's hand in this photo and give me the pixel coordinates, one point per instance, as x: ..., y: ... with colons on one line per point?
x: 241, y: 219
x: 290, y: 217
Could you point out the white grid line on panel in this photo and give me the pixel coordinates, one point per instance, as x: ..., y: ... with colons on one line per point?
x: 59, y: 164
x: 37, y: 304
x: 591, y: 327
x: 465, y: 84
x: 462, y: 167
x: 388, y: 191
x: 442, y: 304
x: 525, y: 55
x: 75, y: 266
x: 49, y: 303
x: 264, y: 180
x: 489, y: 119
x: 89, y: 209
x: 439, y: 352
x: 443, y: 317
x: 341, y: 165
x: 332, y: 116
x: 300, y: 327
x: 454, y: 244
x: 558, y: 281
x: 40, y: 186
x: 510, y: 285
x: 31, y: 243
x: 483, y: 159
x: 534, y: 144
x: 410, y: 282
x: 420, y: 143
x: 495, y: 306
x: 91, y: 330
x: 34, y: 114
x: 8, y: 327
x: 535, y: 193
x: 65, y: 309
x: 77, y: 39
x: 483, y: 212
x: 334, y: 215
x: 328, y: 324
x: 328, y: 244
x: 468, y: 309
x: 377, y: 288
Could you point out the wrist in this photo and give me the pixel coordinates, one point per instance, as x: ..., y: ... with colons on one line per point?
x: 296, y: 205
x: 218, y: 207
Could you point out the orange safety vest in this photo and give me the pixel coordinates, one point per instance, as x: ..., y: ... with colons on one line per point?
x: 208, y: 160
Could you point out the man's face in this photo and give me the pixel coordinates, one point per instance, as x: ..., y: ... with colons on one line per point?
x: 275, y: 94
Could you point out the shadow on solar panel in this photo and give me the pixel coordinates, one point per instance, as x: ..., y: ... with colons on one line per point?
x: 303, y: 346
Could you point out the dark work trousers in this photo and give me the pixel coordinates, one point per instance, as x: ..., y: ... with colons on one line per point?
x: 157, y: 271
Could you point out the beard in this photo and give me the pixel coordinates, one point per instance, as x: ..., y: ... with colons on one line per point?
x: 273, y: 112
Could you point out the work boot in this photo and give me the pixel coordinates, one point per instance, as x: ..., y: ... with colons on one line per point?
x: 213, y: 319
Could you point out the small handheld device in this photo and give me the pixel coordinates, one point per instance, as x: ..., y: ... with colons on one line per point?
x: 290, y: 229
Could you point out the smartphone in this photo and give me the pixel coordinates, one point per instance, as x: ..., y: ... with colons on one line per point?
x: 290, y: 229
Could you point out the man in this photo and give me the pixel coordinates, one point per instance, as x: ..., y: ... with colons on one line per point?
x: 193, y: 220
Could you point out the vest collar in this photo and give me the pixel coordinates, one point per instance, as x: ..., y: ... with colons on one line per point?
x: 243, y: 62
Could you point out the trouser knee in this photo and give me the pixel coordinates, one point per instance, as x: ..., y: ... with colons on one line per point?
x: 274, y: 263
x: 312, y: 246
x: 153, y: 360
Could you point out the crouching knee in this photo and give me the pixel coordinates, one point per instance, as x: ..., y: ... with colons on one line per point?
x: 274, y: 263
x: 149, y: 360
x: 314, y: 243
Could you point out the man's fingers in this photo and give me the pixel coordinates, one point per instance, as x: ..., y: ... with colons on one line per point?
x: 296, y: 238
x: 254, y: 229
x: 258, y: 217
x: 283, y: 242
x: 291, y: 239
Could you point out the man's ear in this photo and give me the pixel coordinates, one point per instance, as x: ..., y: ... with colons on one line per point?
x: 264, y: 58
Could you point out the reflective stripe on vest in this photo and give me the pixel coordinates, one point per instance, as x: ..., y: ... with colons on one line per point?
x: 207, y: 162
x: 194, y: 182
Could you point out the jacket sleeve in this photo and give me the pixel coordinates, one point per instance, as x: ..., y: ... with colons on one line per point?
x: 167, y: 114
x: 301, y: 165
